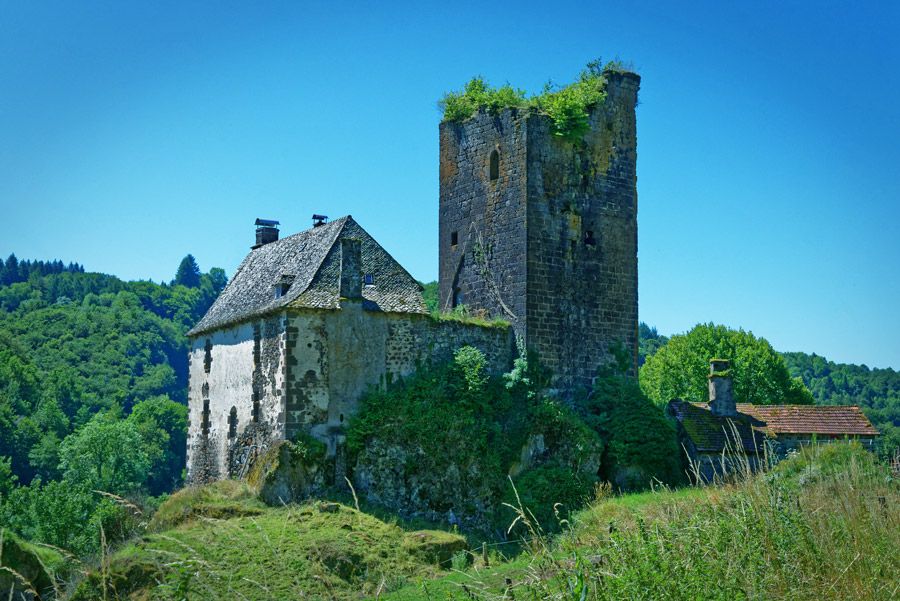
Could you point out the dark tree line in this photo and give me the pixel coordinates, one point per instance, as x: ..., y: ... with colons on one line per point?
x: 12, y: 270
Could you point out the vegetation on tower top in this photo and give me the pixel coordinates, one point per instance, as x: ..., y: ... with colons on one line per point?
x: 567, y: 106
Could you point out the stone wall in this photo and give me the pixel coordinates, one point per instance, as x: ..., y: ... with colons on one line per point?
x: 551, y: 243
x: 264, y: 381
x: 241, y: 369
x: 335, y: 356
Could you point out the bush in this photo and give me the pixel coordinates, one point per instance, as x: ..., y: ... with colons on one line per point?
x: 642, y: 444
x: 445, y: 439
x: 567, y: 106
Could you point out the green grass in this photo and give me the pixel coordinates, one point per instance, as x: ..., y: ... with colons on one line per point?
x: 317, y: 550
x: 463, y: 314
x: 825, y: 525
x: 822, y: 525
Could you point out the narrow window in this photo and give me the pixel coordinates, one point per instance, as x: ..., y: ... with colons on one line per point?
x: 207, y: 358
x: 257, y: 337
x: 204, y: 425
x: 232, y: 423
x: 589, y: 238
x: 495, y: 165
x: 454, y: 238
x: 369, y: 279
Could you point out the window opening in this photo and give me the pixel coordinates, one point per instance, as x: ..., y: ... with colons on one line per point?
x: 232, y: 423
x: 589, y: 238
x: 369, y: 279
x: 204, y: 425
x: 257, y: 338
x: 207, y: 357
x: 254, y: 413
x: 454, y: 238
x: 495, y: 165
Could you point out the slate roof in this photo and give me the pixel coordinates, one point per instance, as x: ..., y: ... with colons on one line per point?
x: 755, y: 422
x: 312, y: 257
x: 712, y: 433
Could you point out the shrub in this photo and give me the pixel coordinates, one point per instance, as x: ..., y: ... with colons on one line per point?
x: 567, y: 106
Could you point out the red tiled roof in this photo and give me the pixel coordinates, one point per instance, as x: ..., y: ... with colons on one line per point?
x: 811, y: 419
x: 712, y: 433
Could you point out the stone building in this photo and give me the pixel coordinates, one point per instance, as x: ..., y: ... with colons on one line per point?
x: 304, y: 327
x: 535, y: 229
x: 723, y: 436
x: 542, y: 231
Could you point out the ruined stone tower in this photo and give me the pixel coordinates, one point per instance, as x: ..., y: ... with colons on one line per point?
x: 543, y: 231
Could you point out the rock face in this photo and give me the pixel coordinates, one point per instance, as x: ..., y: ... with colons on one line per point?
x: 469, y: 496
x: 288, y: 473
x: 23, y: 575
x: 543, y: 231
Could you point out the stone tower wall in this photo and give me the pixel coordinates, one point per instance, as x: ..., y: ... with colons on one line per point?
x: 582, y: 240
x: 551, y: 244
x: 485, y: 269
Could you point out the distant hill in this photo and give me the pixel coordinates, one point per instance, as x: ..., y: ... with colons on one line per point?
x: 74, y: 344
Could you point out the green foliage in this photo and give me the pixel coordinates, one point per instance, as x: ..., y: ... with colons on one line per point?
x: 162, y: 425
x: 641, y: 443
x: 106, y: 455
x: 471, y: 362
x: 551, y: 493
x: 463, y: 314
x: 188, y: 273
x: 430, y: 293
x: 453, y: 419
x: 313, y: 550
x: 821, y: 526
x: 649, y: 341
x: 680, y: 368
x: 478, y: 94
x: 567, y: 106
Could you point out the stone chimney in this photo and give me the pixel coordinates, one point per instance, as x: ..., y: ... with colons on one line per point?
x: 351, y: 268
x: 721, y: 400
x: 266, y: 232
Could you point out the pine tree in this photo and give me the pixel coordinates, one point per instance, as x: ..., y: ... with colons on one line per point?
x: 188, y: 273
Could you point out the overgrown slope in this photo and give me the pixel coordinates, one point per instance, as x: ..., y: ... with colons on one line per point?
x: 221, y: 543
x: 824, y: 525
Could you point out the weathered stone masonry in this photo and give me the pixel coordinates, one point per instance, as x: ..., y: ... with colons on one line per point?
x: 309, y: 349
x: 547, y: 239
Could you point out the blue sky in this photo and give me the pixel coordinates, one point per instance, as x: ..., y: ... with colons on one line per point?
x: 768, y: 138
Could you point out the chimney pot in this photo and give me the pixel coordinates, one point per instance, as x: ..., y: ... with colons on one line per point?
x: 266, y: 232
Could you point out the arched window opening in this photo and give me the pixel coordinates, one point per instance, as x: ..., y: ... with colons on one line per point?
x: 232, y: 423
x: 495, y: 165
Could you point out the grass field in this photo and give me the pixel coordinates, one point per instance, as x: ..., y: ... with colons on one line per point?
x: 823, y: 525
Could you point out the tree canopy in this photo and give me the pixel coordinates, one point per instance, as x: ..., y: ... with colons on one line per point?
x: 680, y: 368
